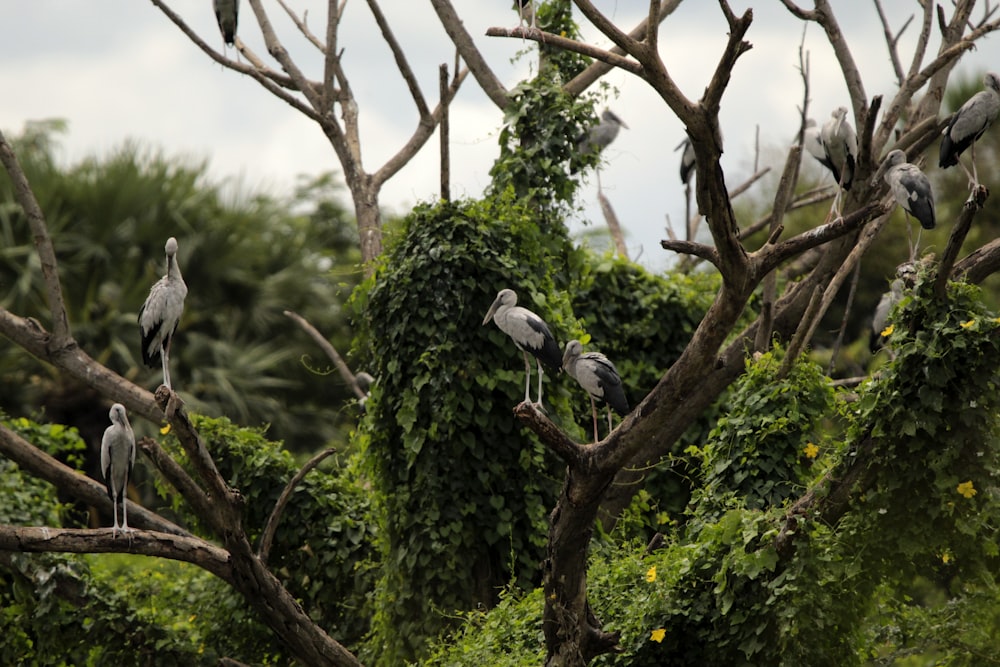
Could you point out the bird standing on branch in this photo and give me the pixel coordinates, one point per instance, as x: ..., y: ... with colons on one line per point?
x: 599, y: 377
x: 968, y: 124
x: 227, y: 14
x: 601, y: 135
x: 117, y: 459
x: 526, y: 12
x: 840, y: 144
x: 529, y: 332
x: 912, y: 191
x: 161, y: 313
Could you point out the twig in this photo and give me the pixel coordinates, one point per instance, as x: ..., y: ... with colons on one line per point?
x: 444, y: 134
x: 560, y: 42
x: 613, y: 225
x: 958, y: 233
x: 329, y: 350
x: 843, y: 322
x: 279, y: 507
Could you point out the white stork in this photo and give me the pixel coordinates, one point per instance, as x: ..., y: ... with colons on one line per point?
x: 529, y: 332
x: 912, y: 191
x: 161, y: 312
x: 968, y: 124
x: 117, y: 459
x: 599, y: 377
x: 227, y: 13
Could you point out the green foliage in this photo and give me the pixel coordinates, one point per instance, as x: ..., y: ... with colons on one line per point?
x: 760, y: 449
x: 324, y: 542
x: 244, y: 256
x: 464, y: 492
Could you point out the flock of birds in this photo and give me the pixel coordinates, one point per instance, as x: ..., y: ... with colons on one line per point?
x: 592, y: 370
x: 158, y: 319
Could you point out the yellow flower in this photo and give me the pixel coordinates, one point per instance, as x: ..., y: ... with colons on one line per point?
x: 966, y: 489
x: 945, y: 557
x: 811, y: 451
x: 165, y: 429
x: 887, y: 331
x: 969, y: 324
x: 658, y: 634
x: 651, y: 574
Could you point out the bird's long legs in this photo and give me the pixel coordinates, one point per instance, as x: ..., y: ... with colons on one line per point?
x: 914, y: 246
x: 527, y: 377
x: 540, y: 374
x: 593, y: 410
x: 165, y: 360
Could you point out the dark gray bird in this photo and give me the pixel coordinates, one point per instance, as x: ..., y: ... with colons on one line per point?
x: 912, y: 191
x: 117, y: 459
x: 688, y: 163
x: 969, y: 123
x: 227, y: 13
x: 529, y: 332
x: 599, y: 377
x: 601, y: 135
x: 161, y: 313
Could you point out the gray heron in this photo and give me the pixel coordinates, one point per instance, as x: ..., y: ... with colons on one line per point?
x: 911, y: 189
x: 968, y: 124
x: 601, y: 135
x: 840, y: 145
x: 599, y: 377
x: 117, y: 459
x: 226, y: 13
x: 529, y: 332
x: 161, y: 313
x: 688, y: 163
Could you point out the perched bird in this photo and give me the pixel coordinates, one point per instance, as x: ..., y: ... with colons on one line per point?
x: 117, y: 459
x: 160, y: 314
x: 364, y: 382
x: 227, y: 13
x: 601, y: 135
x: 529, y: 332
x: 840, y: 144
x: 526, y: 11
x: 599, y: 377
x: 881, y: 317
x: 688, y: 163
x: 911, y: 190
x: 969, y: 123
x: 812, y: 141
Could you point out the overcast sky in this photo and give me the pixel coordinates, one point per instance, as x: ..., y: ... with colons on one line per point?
x: 118, y: 69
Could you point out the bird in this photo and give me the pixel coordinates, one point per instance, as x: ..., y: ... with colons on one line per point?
x: 117, y: 459
x: 688, y: 163
x: 968, y: 124
x: 161, y: 312
x: 529, y: 332
x: 840, y: 144
x: 912, y: 191
x: 812, y: 141
x: 364, y: 382
x: 601, y: 135
x: 881, y: 317
x: 599, y: 377
x: 526, y: 11
x: 227, y: 13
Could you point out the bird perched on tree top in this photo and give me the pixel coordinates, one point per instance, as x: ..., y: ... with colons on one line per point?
x: 227, y: 14
x: 599, y: 377
x: 529, y: 332
x: 117, y: 459
x: 161, y: 313
x: 912, y: 191
x: 969, y: 123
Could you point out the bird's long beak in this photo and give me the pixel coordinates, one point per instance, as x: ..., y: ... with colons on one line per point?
x: 624, y: 124
x: 879, y: 173
x: 489, y: 313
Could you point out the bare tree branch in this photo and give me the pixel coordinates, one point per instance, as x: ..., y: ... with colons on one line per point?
x: 329, y: 350
x: 264, y: 549
x: 144, y: 542
x: 481, y: 71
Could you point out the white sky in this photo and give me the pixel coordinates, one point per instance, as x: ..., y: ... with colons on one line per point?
x: 118, y: 69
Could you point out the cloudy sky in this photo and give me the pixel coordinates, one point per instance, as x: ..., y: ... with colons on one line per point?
x: 118, y: 69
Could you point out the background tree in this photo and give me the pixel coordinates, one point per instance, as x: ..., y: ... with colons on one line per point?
x: 766, y: 551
